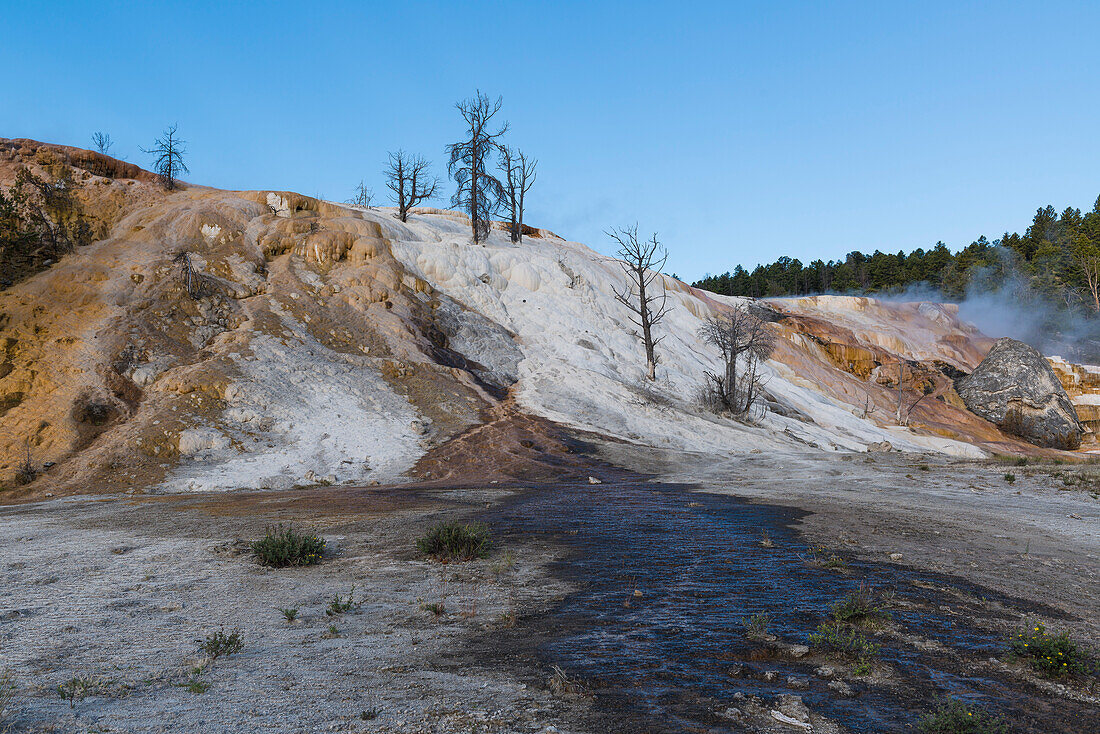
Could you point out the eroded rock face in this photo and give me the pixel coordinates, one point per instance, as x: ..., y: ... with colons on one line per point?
x: 1016, y: 388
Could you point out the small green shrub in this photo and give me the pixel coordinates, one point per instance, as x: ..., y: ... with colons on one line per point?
x: 80, y: 687
x: 289, y: 613
x: 924, y: 467
x: 838, y: 639
x: 285, y: 546
x: 452, y: 541
x: 1022, y: 461
x: 1055, y: 656
x: 757, y: 625
x: 861, y: 609
x: 954, y: 717
x: 341, y: 604
x: 222, y: 643
x: 1010, y: 477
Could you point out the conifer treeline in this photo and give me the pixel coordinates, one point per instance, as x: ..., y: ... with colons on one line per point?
x: 1058, y: 257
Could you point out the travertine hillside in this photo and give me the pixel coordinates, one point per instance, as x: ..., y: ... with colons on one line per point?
x: 212, y: 339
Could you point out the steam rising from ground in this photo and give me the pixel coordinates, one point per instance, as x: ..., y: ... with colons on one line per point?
x: 1010, y: 307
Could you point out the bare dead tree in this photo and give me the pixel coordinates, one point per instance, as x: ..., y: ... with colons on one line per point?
x: 26, y: 472
x: 169, y: 163
x: 102, y: 142
x: 511, y: 189
x: 744, y: 341
x: 411, y: 182
x: 364, y: 197
x: 192, y: 279
x: 479, y: 192
x: 642, y: 261
x: 905, y: 406
x: 525, y: 171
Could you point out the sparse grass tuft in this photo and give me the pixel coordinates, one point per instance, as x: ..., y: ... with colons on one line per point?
x: 452, y: 541
x: 757, y: 625
x: 435, y: 608
x: 952, y: 716
x: 1055, y: 656
x: 840, y: 640
x: 8, y: 693
x: 222, y: 643
x: 285, y: 546
x: 825, y: 558
x: 289, y: 613
x: 563, y: 685
x: 194, y: 683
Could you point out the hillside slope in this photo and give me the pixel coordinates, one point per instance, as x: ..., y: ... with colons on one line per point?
x: 320, y: 342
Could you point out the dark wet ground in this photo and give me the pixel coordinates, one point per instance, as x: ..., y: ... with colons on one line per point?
x: 667, y: 660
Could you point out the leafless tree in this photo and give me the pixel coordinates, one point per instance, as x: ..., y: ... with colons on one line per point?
x: 102, y: 142
x: 525, y: 179
x: 479, y: 192
x: 364, y: 197
x: 26, y: 472
x: 169, y: 163
x: 409, y: 179
x: 511, y: 189
x: 519, y: 177
x: 744, y: 340
x: 642, y: 261
x: 192, y: 279
x: 910, y: 384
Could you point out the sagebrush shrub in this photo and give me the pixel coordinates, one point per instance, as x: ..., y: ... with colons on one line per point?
x: 285, y: 546
x: 841, y: 640
x: 222, y: 643
x: 452, y: 541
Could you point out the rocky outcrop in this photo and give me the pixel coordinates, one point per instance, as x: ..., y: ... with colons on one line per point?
x: 1016, y: 388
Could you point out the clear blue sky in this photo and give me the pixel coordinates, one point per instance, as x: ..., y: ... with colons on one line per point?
x: 738, y: 131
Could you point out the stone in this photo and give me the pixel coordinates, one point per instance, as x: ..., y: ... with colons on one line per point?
x: 1016, y: 388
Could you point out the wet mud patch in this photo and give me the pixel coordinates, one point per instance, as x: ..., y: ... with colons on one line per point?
x: 665, y: 579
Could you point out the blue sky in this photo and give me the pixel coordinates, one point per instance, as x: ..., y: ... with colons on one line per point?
x: 738, y: 131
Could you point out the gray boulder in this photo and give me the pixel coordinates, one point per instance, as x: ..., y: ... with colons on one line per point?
x: 1016, y: 388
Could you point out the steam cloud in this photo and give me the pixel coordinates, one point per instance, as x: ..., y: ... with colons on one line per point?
x: 1009, y: 307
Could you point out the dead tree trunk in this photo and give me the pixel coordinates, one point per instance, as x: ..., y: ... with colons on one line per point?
x: 642, y: 262
x: 409, y: 179
x: 479, y: 193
